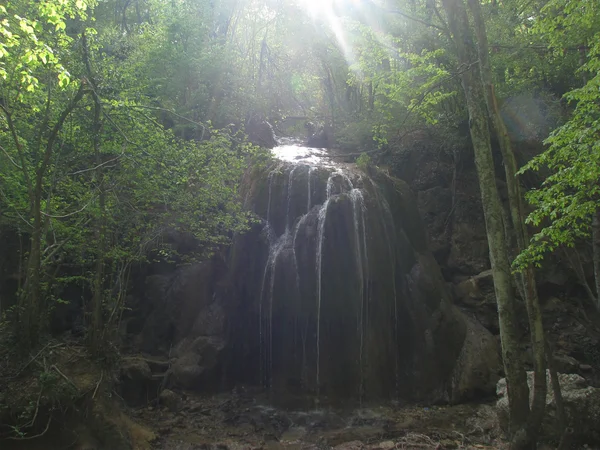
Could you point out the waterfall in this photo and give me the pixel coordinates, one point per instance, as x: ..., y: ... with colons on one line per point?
x: 332, y: 276
x: 276, y: 246
x: 289, y: 198
x: 269, y: 232
x: 362, y: 264
x: 319, y: 258
x: 310, y: 171
x: 270, y: 181
x: 275, y: 249
x: 319, y: 253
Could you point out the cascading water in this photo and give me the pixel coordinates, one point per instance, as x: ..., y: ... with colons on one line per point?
x: 362, y: 263
x: 338, y: 184
x: 348, y: 301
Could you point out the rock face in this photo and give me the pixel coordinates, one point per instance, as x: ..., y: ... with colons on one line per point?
x: 180, y: 304
x: 336, y: 294
x: 582, y: 407
x: 440, y: 171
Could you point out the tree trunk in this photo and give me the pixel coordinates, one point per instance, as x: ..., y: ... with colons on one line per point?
x: 525, y: 279
x: 30, y: 320
x: 478, y: 121
x: 98, y: 296
x: 97, y: 322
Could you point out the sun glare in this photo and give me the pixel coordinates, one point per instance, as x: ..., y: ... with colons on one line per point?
x: 321, y: 8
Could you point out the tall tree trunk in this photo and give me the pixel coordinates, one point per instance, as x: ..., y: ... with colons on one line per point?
x: 525, y: 279
x: 31, y: 319
x: 97, y: 322
x: 518, y: 389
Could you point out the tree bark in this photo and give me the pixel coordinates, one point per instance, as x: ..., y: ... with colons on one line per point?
x: 518, y: 390
x: 525, y: 279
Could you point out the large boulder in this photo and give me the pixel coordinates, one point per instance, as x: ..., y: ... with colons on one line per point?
x: 261, y: 133
x: 177, y: 302
x: 582, y: 407
x: 194, y: 361
x: 478, y: 366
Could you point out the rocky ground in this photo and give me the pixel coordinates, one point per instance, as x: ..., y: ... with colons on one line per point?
x: 240, y: 420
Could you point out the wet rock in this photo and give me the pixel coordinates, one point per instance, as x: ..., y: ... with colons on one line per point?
x: 582, y: 407
x: 171, y: 400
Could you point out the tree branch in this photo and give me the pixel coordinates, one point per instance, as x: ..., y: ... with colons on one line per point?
x: 54, y: 133
x: 10, y: 158
x: 17, y: 141
x: 405, y: 15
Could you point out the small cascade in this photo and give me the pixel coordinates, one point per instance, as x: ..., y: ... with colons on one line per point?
x: 299, y: 224
x: 309, y: 203
x: 319, y: 257
x: 277, y: 244
x: 266, y: 326
x: 270, y: 182
x: 289, y: 197
x: 362, y: 264
x: 319, y: 253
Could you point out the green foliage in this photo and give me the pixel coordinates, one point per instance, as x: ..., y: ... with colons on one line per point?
x: 146, y: 168
x: 32, y: 36
x: 363, y: 162
x: 570, y: 195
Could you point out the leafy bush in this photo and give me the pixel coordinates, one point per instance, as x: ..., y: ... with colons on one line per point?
x: 363, y: 161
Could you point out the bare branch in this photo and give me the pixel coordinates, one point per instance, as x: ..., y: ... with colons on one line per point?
x: 99, y: 165
x: 10, y: 158
x: 33, y: 437
x: 69, y: 214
